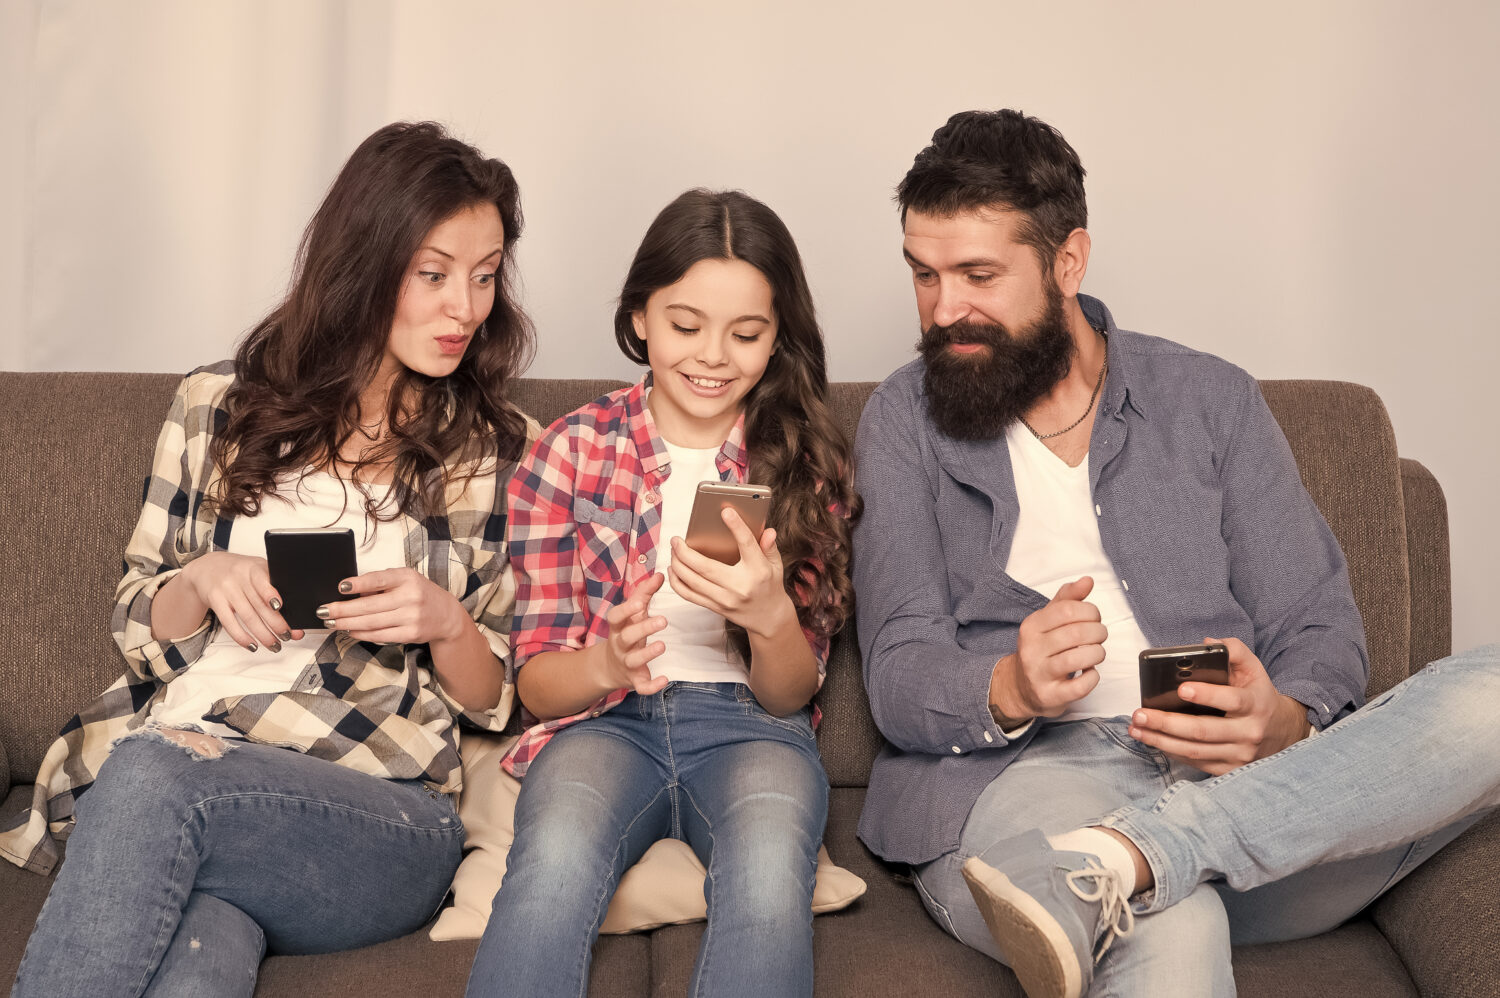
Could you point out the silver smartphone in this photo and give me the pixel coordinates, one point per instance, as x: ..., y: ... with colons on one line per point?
x: 707, y: 532
x: 1165, y: 669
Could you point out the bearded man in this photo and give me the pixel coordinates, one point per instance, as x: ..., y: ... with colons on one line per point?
x: 1046, y: 495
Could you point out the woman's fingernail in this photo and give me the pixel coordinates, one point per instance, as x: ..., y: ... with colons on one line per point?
x: 275, y: 604
x: 346, y: 586
x: 323, y: 612
x: 286, y: 635
x: 254, y: 646
x: 276, y: 647
x: 333, y: 625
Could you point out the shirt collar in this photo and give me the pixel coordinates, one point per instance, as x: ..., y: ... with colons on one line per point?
x: 1122, y: 384
x: 653, y: 450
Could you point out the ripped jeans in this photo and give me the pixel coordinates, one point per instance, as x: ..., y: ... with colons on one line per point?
x: 185, y: 867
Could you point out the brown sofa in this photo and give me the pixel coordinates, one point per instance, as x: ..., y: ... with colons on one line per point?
x: 75, y: 448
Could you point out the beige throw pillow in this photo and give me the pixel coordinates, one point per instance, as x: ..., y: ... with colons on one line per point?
x: 664, y: 888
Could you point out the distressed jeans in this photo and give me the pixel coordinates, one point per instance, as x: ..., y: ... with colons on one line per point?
x: 1283, y: 848
x: 700, y: 762
x: 184, y: 868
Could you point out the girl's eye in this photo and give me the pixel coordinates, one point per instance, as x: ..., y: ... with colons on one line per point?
x: 484, y: 280
x: 683, y: 329
x: 430, y: 277
x: 747, y: 337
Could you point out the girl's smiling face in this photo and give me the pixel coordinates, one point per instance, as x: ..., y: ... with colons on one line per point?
x: 709, y: 338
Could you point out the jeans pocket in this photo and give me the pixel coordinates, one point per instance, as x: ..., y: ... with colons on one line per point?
x: 799, y: 722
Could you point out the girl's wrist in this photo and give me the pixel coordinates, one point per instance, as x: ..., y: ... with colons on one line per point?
x: 775, y: 622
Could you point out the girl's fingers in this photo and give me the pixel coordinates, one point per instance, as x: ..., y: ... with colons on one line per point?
x: 364, y: 606
x: 374, y: 582
x: 381, y: 635
x: 256, y: 616
x: 231, y: 624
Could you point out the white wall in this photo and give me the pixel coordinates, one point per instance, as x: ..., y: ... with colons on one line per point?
x: 1307, y: 188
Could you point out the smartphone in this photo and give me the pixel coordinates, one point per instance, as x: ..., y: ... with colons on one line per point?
x: 1164, y: 669
x: 307, y: 566
x: 707, y: 532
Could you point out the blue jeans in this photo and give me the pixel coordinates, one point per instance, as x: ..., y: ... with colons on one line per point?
x: 700, y: 762
x: 184, y: 868
x: 1283, y: 848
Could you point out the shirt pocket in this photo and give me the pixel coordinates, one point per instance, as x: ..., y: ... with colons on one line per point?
x: 603, y: 540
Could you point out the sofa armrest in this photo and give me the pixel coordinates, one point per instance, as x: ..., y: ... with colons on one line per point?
x: 1427, y: 560
x: 1443, y: 920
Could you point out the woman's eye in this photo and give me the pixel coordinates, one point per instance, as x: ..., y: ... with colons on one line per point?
x: 430, y: 277
x: 683, y: 329
x: 484, y: 280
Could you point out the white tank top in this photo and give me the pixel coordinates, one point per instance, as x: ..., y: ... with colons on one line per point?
x: 225, y: 669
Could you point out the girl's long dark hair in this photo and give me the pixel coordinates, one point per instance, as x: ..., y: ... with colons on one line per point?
x: 794, y: 444
x: 298, y: 374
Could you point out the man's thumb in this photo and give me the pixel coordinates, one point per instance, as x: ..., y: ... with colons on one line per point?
x: 1075, y: 590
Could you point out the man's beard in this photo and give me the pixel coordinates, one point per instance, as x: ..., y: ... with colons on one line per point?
x: 976, y: 396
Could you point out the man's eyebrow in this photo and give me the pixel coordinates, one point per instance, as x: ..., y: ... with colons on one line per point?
x: 748, y: 317
x: 985, y: 262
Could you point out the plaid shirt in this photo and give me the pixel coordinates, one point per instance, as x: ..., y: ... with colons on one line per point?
x: 378, y: 709
x: 585, y: 524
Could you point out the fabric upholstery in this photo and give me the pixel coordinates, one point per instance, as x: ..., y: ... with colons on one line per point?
x: 1427, y: 558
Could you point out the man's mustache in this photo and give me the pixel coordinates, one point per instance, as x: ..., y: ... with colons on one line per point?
x: 989, y: 334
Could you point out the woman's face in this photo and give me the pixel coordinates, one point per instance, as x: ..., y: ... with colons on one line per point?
x: 448, y: 290
x: 709, y: 338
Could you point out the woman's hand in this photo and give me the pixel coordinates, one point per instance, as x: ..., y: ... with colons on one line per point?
x: 396, y: 606
x: 628, y: 651
x: 750, y: 593
x: 237, y: 588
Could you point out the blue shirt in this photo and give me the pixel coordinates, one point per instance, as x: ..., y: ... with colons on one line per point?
x: 1203, y: 516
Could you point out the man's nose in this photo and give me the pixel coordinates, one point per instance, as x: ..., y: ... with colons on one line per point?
x: 952, y: 304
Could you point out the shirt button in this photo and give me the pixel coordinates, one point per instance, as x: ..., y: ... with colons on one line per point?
x: 957, y: 750
x: 653, y: 497
x: 594, y: 714
x: 988, y: 737
x: 1125, y: 584
x: 640, y: 559
x: 1097, y: 510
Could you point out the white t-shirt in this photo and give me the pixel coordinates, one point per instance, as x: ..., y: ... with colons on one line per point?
x: 225, y: 669
x: 697, y: 648
x: 1056, y: 541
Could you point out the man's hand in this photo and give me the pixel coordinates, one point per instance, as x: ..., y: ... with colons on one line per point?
x: 1258, y: 721
x: 1062, y: 638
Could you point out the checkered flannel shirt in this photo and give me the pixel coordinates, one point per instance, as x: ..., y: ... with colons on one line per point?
x: 378, y: 709
x: 585, y: 524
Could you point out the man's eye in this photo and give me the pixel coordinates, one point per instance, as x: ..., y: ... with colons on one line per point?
x: 430, y: 277
x: 922, y: 276
x: 980, y: 278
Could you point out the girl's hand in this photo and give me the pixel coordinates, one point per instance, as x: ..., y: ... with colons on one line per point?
x: 237, y: 588
x: 396, y: 606
x: 749, y: 593
x: 627, y: 653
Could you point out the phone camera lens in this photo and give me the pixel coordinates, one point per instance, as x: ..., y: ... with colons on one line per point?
x: 755, y: 495
x: 1184, y: 673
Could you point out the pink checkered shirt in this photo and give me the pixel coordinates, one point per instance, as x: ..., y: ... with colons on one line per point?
x: 585, y: 524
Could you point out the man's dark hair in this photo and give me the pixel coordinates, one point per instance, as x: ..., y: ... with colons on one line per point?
x: 1001, y: 160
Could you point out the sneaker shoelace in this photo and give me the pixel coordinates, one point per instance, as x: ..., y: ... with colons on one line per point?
x: 1115, y: 917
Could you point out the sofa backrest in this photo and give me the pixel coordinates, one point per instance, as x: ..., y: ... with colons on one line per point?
x: 77, y: 447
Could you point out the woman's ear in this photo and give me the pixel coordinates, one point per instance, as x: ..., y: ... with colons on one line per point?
x: 638, y: 320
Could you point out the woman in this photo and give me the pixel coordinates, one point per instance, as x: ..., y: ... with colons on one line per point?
x: 673, y: 690
x: 283, y: 789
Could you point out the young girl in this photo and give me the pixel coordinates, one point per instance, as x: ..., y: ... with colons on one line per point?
x: 672, y: 689
x: 276, y: 788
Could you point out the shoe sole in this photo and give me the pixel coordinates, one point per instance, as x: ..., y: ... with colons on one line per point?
x: 1040, y: 953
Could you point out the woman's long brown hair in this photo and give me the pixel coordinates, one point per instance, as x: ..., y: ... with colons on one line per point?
x: 795, y: 446
x: 298, y: 374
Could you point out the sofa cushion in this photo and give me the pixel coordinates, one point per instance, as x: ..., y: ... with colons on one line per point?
x: 665, y: 887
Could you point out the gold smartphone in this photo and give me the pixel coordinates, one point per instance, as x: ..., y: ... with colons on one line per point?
x: 707, y: 532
